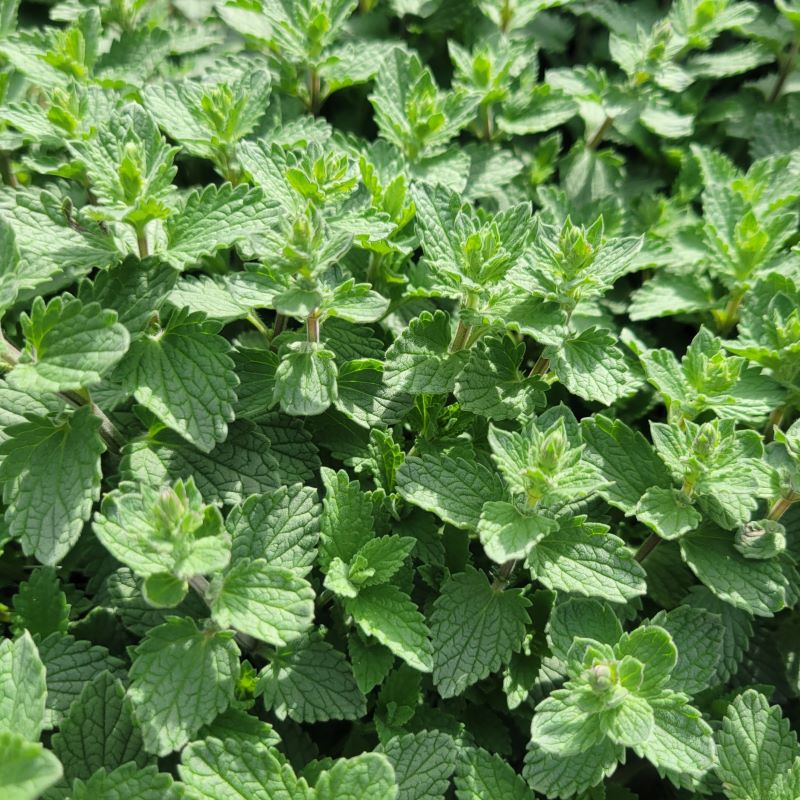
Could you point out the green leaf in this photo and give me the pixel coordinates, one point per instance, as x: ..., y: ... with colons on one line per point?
x: 625, y: 457
x: 185, y: 376
x: 481, y: 775
x: 244, y: 464
x: 305, y: 381
x: 70, y: 664
x: 311, y: 682
x: 420, y: 361
x: 232, y: 770
x: 492, y: 384
x: 281, y: 527
x: 347, y: 517
x: 453, y: 488
x: 371, y: 661
x: 26, y: 768
x: 681, y: 740
x: 271, y: 603
x: 41, y: 607
x: 389, y: 615
x: 668, y: 512
x: 565, y: 776
x: 181, y: 678
x: 591, y: 366
x: 423, y: 763
x: 581, y: 617
x: 562, y: 727
x: 475, y: 628
x: 214, y: 218
x: 365, y: 398
x: 507, y: 534
x: 99, y: 731
x: 67, y: 345
x: 51, y: 474
x: 129, y: 780
x: 759, y: 587
x: 698, y: 636
x: 22, y: 688
x: 366, y: 777
x: 585, y: 559
x: 654, y: 648
x: 166, y: 531
x: 755, y: 745
x: 384, y: 556
x: 162, y: 590
x: 735, y: 625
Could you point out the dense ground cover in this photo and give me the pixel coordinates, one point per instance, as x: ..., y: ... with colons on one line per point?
x: 399, y: 399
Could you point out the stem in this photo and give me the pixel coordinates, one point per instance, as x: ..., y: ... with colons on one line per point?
x: 7, y: 173
x: 460, y: 339
x: 141, y: 242
x: 488, y: 122
x: 506, y: 15
x: 731, y: 313
x: 313, y: 91
x: 504, y: 575
x: 785, y: 72
x: 774, y: 421
x: 600, y: 133
x: 540, y: 367
x: 108, y: 431
x: 647, y: 547
x: 201, y: 585
x: 279, y: 325
x: 312, y: 327
x: 256, y: 322
x: 781, y: 506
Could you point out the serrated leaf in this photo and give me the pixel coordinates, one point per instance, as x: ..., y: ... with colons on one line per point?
x: 759, y: 587
x: 214, y: 218
x: 281, y: 527
x: 311, y: 682
x: 475, y: 628
x: 98, y: 731
x: 129, y: 780
x: 667, y: 511
x: 756, y: 745
x: 389, y: 615
x: 26, y: 768
x: 68, y: 345
x: 491, y: 383
x: 305, y: 380
x: 423, y: 763
x: 699, y: 637
x: 507, y: 534
x: 185, y: 376
x: 231, y: 770
x: 41, y: 607
x: 420, y: 360
x: 587, y: 560
x: 366, y: 777
x: 565, y: 776
x: 371, y: 661
x: 181, y: 678
x: 591, y: 366
x: 581, y: 617
x: 22, y: 688
x: 51, y: 474
x: 70, y: 664
x: 271, y: 603
x: 453, y: 488
x: 481, y: 774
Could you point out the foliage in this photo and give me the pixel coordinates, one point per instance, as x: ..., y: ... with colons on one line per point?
x: 399, y: 399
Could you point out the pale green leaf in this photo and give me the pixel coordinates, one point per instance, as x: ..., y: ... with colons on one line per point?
x: 423, y: 763
x: 26, y: 768
x: 22, y: 688
x: 482, y: 775
x: 305, y: 380
x: 667, y: 511
x: 128, y: 781
x: 366, y: 777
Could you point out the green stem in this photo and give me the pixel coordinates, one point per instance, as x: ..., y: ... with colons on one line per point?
x: 540, y: 367
x: 314, y: 91
x: 785, y: 72
x: 781, y: 506
x: 503, y: 576
x: 201, y: 586
x: 600, y: 133
x: 774, y: 421
x: 647, y: 547
x: 487, y: 117
x: 7, y: 173
x: 256, y: 322
x: 731, y: 314
x: 312, y: 327
x: 460, y: 338
x: 279, y: 325
x: 108, y: 431
x: 141, y: 243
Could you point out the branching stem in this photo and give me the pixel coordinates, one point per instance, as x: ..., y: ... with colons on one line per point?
x: 782, y: 505
x: 504, y: 575
x: 244, y: 640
